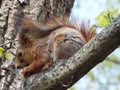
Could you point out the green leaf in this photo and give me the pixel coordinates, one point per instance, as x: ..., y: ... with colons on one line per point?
x: 99, y: 16
x: 104, y: 18
x: 8, y: 55
x: 1, y: 52
x: 114, y: 13
x: 1, y: 49
x: 103, y: 22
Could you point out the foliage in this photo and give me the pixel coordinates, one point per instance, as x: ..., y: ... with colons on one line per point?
x: 104, y: 18
x: 5, y: 54
x: 1, y: 52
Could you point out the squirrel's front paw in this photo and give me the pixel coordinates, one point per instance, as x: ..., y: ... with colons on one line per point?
x: 26, y: 72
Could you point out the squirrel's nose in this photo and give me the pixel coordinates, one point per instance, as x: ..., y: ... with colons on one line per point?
x: 20, y: 54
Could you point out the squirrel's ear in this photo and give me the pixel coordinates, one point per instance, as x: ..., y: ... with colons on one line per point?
x: 18, y: 19
x: 24, y: 41
x: 29, y: 29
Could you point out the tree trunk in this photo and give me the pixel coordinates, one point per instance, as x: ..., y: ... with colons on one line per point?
x: 40, y: 10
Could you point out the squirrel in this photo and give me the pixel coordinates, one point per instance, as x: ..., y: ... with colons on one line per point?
x: 42, y: 43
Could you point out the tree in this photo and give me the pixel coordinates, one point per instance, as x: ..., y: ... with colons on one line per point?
x: 70, y: 70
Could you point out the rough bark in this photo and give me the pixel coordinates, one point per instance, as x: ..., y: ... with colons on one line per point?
x: 10, y: 78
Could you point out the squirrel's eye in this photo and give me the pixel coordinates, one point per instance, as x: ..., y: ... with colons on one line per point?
x: 20, y: 54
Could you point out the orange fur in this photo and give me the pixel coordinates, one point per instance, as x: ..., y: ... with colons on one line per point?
x: 40, y: 44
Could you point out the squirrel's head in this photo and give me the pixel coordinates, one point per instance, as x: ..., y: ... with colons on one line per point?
x: 24, y: 57
x: 25, y: 52
x: 25, y: 28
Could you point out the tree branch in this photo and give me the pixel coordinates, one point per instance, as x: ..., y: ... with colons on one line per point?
x: 71, y: 70
x: 8, y: 43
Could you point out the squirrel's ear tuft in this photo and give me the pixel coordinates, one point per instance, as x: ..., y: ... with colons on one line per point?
x: 24, y: 41
x: 18, y: 19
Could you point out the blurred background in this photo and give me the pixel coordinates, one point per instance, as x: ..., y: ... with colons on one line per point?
x: 106, y: 75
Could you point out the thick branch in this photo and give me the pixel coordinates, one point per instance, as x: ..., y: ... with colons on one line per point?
x: 82, y: 62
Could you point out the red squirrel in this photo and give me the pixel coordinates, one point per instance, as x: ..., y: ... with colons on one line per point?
x: 41, y: 44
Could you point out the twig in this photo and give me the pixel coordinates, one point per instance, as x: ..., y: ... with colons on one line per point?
x: 8, y: 42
